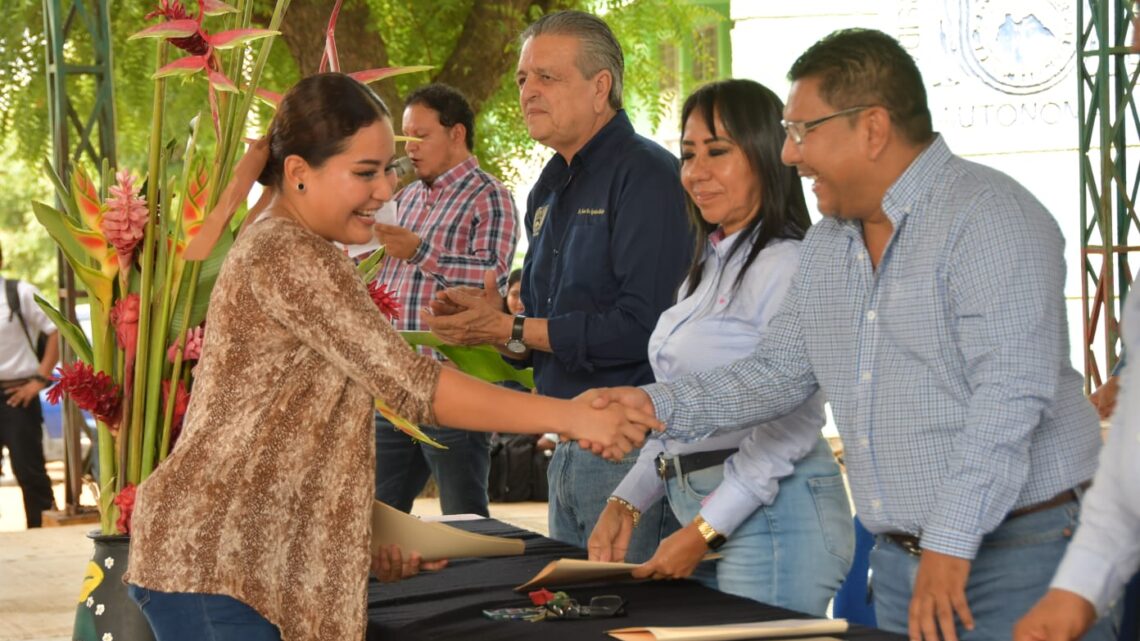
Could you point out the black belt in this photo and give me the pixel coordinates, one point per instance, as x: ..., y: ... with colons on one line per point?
x: 688, y: 463
x: 910, y: 543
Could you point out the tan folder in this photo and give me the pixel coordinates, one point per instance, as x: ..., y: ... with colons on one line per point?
x: 782, y: 629
x: 434, y: 541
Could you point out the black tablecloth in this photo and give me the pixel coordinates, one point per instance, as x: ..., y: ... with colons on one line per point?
x: 449, y: 604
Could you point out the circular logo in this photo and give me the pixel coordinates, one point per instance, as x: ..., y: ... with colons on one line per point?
x: 1019, y: 47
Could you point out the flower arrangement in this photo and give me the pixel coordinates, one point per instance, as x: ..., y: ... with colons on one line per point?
x: 148, y: 254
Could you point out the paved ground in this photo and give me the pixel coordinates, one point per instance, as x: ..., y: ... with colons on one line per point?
x: 41, y: 570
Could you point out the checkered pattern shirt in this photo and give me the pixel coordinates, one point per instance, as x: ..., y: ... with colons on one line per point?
x: 947, y: 368
x: 466, y: 223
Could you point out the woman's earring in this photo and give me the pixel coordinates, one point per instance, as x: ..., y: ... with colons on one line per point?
x: 300, y: 186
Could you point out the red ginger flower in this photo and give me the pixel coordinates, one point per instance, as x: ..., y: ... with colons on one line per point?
x: 125, y: 318
x: 92, y: 391
x: 181, y: 403
x: 125, y: 499
x: 124, y: 221
x: 193, y: 350
x: 385, y: 300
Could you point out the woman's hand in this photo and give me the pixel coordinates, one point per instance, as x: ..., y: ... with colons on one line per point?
x: 610, y: 539
x: 388, y: 564
x: 676, y: 557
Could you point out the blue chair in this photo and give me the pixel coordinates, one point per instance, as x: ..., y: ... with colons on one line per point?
x: 853, y: 601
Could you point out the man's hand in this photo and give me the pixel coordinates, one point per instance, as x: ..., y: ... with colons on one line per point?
x: 632, y: 397
x: 1104, y: 398
x: 468, y: 316
x: 939, y: 595
x: 1060, y: 615
x: 610, y: 539
x: 23, y: 395
x: 388, y: 564
x: 399, y: 242
x: 610, y: 432
x: 676, y: 557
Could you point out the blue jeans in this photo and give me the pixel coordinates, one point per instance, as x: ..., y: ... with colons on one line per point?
x: 187, y: 616
x: 580, y: 483
x: 793, y: 553
x: 1011, y: 571
x: 404, y: 465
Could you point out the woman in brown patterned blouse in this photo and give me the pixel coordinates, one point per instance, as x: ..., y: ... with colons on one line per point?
x: 257, y: 526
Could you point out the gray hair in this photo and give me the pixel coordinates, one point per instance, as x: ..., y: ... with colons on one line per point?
x: 600, y: 49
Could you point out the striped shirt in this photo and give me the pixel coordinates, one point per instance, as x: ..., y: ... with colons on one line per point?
x: 466, y: 223
x: 946, y: 368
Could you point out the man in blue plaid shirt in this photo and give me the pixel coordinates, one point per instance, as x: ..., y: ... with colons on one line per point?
x: 929, y: 307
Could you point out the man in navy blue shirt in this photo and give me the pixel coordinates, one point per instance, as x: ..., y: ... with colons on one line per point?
x: 609, y: 245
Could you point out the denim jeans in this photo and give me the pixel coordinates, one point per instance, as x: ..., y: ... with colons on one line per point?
x: 793, y: 553
x: 187, y: 616
x: 1011, y: 571
x: 404, y: 465
x: 580, y: 483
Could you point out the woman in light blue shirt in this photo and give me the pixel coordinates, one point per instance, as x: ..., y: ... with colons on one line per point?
x: 792, y: 550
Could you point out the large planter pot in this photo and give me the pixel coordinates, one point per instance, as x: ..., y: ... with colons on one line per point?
x: 105, y: 611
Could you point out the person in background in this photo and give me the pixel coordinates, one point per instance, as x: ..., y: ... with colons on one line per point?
x: 257, y: 526
x: 769, y: 499
x: 23, y: 375
x: 609, y: 243
x: 455, y: 222
x: 1105, y: 551
x: 928, y: 307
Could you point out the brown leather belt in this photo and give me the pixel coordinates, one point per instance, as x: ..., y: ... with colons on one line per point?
x: 13, y: 383
x: 911, y: 543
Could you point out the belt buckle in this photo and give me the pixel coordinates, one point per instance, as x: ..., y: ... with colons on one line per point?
x: 662, y: 466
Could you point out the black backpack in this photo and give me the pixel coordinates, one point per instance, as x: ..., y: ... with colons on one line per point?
x: 11, y: 290
x: 518, y: 469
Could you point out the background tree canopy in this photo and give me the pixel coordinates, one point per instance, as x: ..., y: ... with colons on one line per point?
x: 472, y: 45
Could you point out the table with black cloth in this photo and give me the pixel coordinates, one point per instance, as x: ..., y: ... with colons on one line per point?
x: 449, y: 604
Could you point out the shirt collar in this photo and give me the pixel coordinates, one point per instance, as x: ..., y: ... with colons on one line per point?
x: 453, y: 175
x: 914, y: 184
x: 612, y: 133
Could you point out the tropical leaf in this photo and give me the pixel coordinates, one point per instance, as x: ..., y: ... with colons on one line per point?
x: 481, y: 361
x: 54, y: 221
x: 369, y: 267
x: 406, y: 426
x: 237, y: 37
x: 372, y: 75
x: 220, y: 82
x: 270, y: 98
x: 216, y: 8
x: 70, y: 332
x: 168, y: 29
x: 186, y: 66
x: 207, y: 276
x: 61, y: 191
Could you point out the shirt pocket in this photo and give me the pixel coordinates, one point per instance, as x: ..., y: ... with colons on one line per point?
x: 911, y: 315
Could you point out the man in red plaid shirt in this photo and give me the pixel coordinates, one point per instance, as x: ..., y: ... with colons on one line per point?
x: 455, y: 222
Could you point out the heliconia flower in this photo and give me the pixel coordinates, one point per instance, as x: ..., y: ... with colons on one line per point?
x: 124, y: 221
x: 90, y: 390
x: 125, y: 319
x: 194, y: 44
x: 181, y: 403
x: 193, y: 349
x: 385, y: 300
x: 125, y: 499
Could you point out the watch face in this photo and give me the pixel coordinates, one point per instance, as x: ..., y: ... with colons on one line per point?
x: 516, y: 346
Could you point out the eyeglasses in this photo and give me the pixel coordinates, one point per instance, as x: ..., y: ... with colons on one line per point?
x: 797, y: 130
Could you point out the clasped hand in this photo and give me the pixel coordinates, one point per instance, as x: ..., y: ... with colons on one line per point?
x: 469, y: 315
x: 630, y: 408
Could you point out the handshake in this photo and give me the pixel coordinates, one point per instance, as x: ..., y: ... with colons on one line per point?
x: 611, y: 421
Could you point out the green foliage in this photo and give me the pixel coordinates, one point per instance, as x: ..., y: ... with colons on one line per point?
x: 412, y: 32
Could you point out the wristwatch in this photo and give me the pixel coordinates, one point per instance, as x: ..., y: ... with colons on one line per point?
x: 712, y: 538
x: 515, y: 344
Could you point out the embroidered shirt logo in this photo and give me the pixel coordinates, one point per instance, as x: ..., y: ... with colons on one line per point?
x: 586, y: 211
x: 539, y: 218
